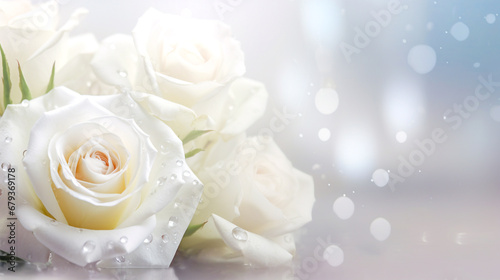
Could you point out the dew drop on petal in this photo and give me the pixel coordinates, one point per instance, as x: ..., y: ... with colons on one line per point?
x: 422, y: 58
x: 164, y: 147
x: 148, y: 239
x: 333, y: 255
x: 343, y: 207
x: 172, y: 222
x: 179, y: 163
x: 380, y: 228
x: 161, y: 181
x: 120, y: 259
x: 240, y: 234
x: 460, y: 31
x: 8, y: 139
x: 122, y: 73
x: 380, y: 177
x: 186, y: 173
x: 326, y: 100
x: 5, y: 166
x: 88, y: 247
x: 123, y: 240
x: 173, y: 177
x: 25, y: 103
x: 165, y: 238
x: 195, y: 182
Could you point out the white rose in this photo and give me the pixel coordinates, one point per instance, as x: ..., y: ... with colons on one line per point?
x: 229, y: 110
x: 96, y: 177
x: 30, y: 35
x: 181, y: 59
x: 253, y: 200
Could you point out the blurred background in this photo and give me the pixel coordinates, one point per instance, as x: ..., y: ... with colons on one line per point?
x: 396, y: 114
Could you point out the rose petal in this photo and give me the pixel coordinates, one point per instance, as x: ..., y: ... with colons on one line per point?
x: 40, y: 135
x: 256, y: 249
x: 82, y: 246
x: 155, y: 37
x: 176, y: 116
x: 115, y: 61
x: 172, y: 222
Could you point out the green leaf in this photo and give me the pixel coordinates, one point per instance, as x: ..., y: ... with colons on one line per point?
x: 7, y: 85
x: 50, y: 86
x: 192, y: 229
x: 193, y: 135
x: 5, y: 257
x: 193, y: 153
x: 23, y: 85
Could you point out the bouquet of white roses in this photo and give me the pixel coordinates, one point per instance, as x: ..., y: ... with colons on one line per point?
x: 125, y: 151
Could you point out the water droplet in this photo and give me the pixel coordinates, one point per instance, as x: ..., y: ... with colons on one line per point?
x: 324, y: 134
x: 333, y: 255
x: 123, y: 240
x: 240, y: 234
x: 179, y: 163
x: 25, y: 103
x: 460, y: 31
x: 8, y: 139
x: 326, y: 100
x: 88, y: 247
x: 186, y: 173
x: 490, y: 18
x: 164, y: 147
x: 195, y: 182
x: 380, y: 228
x: 165, y: 238
x: 422, y: 58
x: 148, y: 239
x: 24, y: 153
x: 122, y: 73
x: 173, y: 177
x: 172, y: 222
x: 380, y: 177
x: 5, y: 166
x: 343, y: 207
x: 120, y: 259
x: 161, y: 181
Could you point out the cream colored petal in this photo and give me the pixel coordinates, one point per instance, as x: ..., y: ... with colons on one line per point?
x: 235, y: 107
x: 115, y: 62
x: 36, y: 160
x: 172, y: 222
x: 256, y: 249
x: 81, y: 246
x: 178, y: 117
